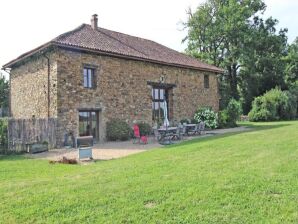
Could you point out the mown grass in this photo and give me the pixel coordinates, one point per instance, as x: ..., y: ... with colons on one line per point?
x: 249, y: 177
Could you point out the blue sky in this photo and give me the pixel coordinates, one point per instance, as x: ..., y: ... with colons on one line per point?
x: 28, y: 24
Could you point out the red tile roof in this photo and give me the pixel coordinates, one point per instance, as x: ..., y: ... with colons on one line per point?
x: 118, y: 44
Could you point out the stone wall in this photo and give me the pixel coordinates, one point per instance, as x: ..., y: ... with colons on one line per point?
x: 29, y: 88
x: 122, y: 90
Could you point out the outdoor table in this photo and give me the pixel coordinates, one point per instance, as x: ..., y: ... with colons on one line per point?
x: 167, y: 132
x: 190, y: 127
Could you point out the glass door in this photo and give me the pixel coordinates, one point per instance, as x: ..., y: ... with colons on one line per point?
x: 88, y: 123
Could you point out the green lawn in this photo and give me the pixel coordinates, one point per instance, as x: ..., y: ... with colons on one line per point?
x: 249, y: 177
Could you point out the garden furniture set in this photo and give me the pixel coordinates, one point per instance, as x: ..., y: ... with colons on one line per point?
x: 165, y: 135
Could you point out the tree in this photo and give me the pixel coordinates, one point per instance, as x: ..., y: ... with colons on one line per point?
x: 4, y: 92
x: 292, y: 63
x: 217, y: 32
x: 262, y: 60
x: 232, y: 35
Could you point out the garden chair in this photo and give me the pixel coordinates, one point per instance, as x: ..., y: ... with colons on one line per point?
x: 202, y: 127
x: 195, y: 130
x: 181, y: 131
x: 157, y: 135
x: 137, y: 138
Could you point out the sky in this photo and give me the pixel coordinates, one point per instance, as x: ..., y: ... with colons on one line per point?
x: 28, y: 24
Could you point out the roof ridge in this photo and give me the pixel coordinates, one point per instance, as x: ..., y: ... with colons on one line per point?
x: 124, y: 33
x: 69, y: 32
x: 120, y: 40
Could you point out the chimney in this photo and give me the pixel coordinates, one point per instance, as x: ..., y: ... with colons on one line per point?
x: 94, y: 21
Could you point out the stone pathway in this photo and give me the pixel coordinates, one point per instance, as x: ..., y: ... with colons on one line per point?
x: 114, y: 150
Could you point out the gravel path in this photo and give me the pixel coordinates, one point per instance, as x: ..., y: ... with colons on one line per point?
x: 114, y: 150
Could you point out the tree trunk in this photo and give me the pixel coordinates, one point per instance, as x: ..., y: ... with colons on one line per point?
x: 232, y: 78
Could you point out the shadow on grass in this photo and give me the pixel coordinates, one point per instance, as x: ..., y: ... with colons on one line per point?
x: 252, y: 127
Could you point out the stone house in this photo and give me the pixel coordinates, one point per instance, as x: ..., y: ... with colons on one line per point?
x: 90, y: 75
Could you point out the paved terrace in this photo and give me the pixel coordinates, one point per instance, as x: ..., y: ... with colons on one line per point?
x: 114, y: 150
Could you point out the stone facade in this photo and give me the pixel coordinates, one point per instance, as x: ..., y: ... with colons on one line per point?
x: 29, y: 88
x: 122, y: 89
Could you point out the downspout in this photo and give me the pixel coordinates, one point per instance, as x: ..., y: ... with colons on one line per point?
x: 49, y: 98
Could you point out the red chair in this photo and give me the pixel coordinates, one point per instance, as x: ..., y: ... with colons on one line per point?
x: 136, y: 133
x: 137, y: 136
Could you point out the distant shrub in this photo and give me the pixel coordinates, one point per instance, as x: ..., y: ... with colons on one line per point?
x: 145, y: 128
x: 3, y: 134
x: 274, y: 105
x: 206, y: 115
x: 117, y: 129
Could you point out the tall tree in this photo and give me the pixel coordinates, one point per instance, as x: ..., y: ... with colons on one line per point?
x: 217, y: 31
x: 262, y: 60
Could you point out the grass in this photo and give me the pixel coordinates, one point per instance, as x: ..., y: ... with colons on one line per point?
x: 249, y: 177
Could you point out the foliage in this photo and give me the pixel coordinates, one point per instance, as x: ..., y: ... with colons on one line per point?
x: 145, y: 129
x: 217, y: 32
x: 193, y: 121
x: 229, y: 116
x: 234, y: 111
x: 262, y: 61
x: 4, y: 92
x: 3, y: 134
x: 185, y: 120
x: 223, y: 119
x: 206, y: 115
x: 292, y: 63
x: 274, y: 105
x: 163, y: 186
x: 117, y: 129
x: 294, y: 92
x: 231, y: 34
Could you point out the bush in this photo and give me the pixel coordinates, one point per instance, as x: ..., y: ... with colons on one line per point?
x: 193, y: 121
x: 208, y: 116
x: 3, y: 134
x: 223, y: 118
x: 185, y: 120
x: 118, y: 130
x: 234, y: 111
x: 274, y: 105
x: 145, y: 129
x: 288, y: 111
x: 228, y: 117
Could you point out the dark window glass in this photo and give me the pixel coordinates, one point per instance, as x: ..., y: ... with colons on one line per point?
x: 206, y: 81
x: 89, y: 78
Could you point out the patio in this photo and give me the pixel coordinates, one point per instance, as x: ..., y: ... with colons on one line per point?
x: 114, y: 150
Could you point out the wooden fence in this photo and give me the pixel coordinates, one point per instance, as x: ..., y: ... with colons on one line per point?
x: 22, y: 132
